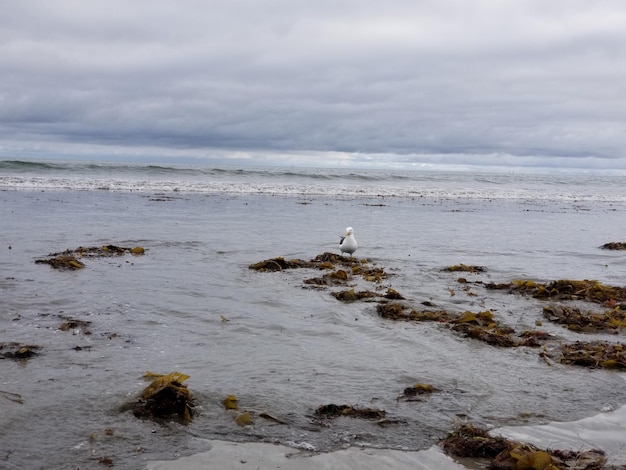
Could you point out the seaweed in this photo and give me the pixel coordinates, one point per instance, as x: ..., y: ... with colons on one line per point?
x: 334, y: 411
x: 13, y: 350
x: 614, y: 246
x: 244, y: 419
x: 441, y: 316
x: 594, y: 354
x: 71, y: 324
x: 586, y: 321
x: 230, y: 402
x: 372, y: 274
x: 464, y: 268
x: 565, y: 289
x: 329, y: 279
x: 351, y: 296
x: 418, y: 389
x: 392, y: 311
x: 470, y: 441
x: 68, y: 260
x: 165, y: 397
x: 62, y: 262
x: 504, y: 454
x: 328, y: 257
x: 279, y: 264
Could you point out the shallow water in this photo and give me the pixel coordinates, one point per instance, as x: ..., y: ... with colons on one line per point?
x: 285, y: 349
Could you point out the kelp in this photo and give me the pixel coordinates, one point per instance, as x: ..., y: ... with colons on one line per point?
x: 500, y: 453
x: 593, y: 355
x: 464, y: 268
x: 614, y: 246
x: 333, y: 278
x: 398, y: 311
x: 588, y: 321
x: 62, y: 262
x: 244, y: 419
x: 502, y: 337
x: 334, y: 258
x: 14, y: 350
x: 411, y: 393
x: 334, y: 411
x: 480, y: 326
x: 393, y: 294
x: 72, y: 324
x: 279, y: 264
x: 392, y: 311
x: 14, y: 397
x: 351, y: 296
x: 370, y: 274
x: 564, y: 289
x: 69, y: 259
x: 166, y: 397
x: 326, y: 261
x: 470, y: 441
x: 230, y: 402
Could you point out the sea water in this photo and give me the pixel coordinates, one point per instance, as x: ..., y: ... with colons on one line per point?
x: 191, y: 304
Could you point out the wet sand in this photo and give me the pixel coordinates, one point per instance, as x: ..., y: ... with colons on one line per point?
x: 257, y: 456
x: 605, y: 431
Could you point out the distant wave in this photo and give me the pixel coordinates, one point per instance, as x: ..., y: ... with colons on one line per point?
x: 97, y: 176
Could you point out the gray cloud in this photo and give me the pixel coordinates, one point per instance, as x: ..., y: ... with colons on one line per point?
x: 527, y: 83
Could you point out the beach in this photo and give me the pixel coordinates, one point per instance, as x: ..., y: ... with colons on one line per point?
x: 285, y: 347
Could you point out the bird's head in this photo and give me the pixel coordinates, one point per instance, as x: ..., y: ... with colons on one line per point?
x: 349, y: 231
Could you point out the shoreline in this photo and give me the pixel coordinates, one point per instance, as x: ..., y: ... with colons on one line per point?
x: 605, y: 431
x: 264, y: 456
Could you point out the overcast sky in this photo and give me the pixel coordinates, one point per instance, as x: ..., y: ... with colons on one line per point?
x: 511, y: 83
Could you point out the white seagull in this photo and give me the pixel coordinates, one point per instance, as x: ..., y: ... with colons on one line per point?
x: 348, y: 243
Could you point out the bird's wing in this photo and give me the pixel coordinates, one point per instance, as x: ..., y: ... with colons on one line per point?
x: 341, y: 239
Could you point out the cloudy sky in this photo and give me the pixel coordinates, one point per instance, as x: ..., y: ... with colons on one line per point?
x: 509, y: 83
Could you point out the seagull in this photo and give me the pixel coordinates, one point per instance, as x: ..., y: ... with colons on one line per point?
x: 348, y: 243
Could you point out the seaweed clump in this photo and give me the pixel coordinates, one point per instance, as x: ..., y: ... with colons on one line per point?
x: 69, y: 259
x: 504, y: 454
x: 351, y: 296
x: 614, y: 246
x: 165, y: 397
x: 586, y: 321
x: 279, y: 264
x: 594, y: 355
x: 480, y: 326
x: 72, y: 324
x: 15, y: 350
x: 464, y: 268
x: 334, y: 411
x: 62, y: 262
x: 470, y: 441
x: 564, y: 289
x: 413, y: 392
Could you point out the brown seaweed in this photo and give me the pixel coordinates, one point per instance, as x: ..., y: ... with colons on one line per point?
x: 575, y: 319
x: 62, y: 262
x: 464, y: 268
x: 594, y: 354
x: 69, y: 259
x: 504, y: 454
x: 351, y: 296
x: 565, y: 289
x: 334, y: 411
x: 13, y: 350
x: 411, y: 393
x: 279, y: 264
x: 164, y: 398
x: 614, y: 246
x: 72, y: 324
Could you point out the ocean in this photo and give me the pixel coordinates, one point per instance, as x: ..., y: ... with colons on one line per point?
x: 283, y: 347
